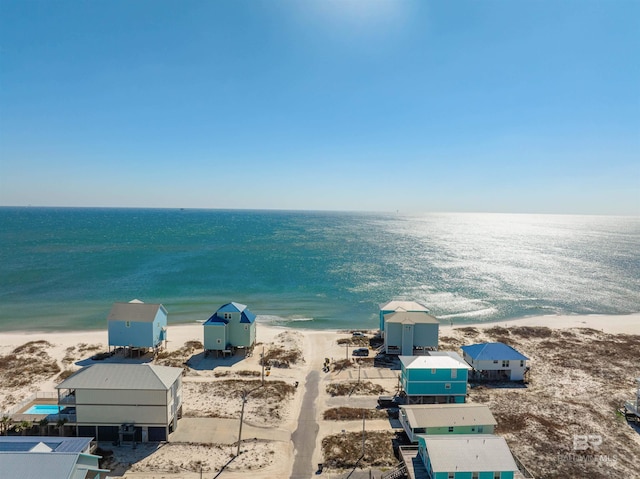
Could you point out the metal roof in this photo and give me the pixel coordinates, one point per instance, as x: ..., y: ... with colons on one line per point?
x: 35, y: 465
x: 56, y: 444
x: 492, y: 352
x: 246, y: 316
x: 468, y: 453
x: 443, y: 415
x: 410, y: 317
x: 123, y: 376
x: 435, y: 360
x: 135, y: 311
x: 396, y: 305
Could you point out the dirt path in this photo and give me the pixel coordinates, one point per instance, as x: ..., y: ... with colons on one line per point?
x: 304, y: 437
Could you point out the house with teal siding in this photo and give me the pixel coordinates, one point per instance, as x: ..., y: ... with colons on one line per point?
x: 232, y: 326
x: 408, y: 328
x: 137, y: 325
x: 479, y: 456
x: 464, y: 418
x: 436, y: 378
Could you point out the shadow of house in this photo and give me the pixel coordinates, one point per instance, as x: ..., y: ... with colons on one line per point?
x: 207, y: 362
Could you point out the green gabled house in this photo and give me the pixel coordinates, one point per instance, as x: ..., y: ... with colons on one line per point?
x: 232, y: 326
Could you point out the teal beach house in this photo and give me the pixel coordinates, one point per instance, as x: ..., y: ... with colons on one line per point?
x: 231, y: 327
x: 408, y: 328
x: 137, y: 325
x: 436, y: 378
x: 480, y: 456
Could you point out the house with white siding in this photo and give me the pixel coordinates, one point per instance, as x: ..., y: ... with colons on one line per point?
x: 116, y: 402
x: 495, y: 362
x: 408, y: 328
x: 137, y: 325
x: 463, y: 418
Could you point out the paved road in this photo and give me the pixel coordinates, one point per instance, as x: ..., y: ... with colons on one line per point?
x: 304, y: 437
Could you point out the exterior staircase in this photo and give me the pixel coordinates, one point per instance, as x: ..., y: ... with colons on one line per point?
x: 399, y: 472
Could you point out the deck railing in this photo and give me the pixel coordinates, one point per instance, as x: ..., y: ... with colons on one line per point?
x: 25, y: 402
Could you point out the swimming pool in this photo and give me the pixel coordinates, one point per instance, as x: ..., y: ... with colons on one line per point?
x: 42, y: 409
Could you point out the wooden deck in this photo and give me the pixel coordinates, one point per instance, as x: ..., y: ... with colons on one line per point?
x: 411, y: 459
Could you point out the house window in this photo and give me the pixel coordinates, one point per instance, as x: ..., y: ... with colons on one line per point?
x: 496, y: 475
x: 219, y: 341
x: 521, y: 363
x: 433, y: 371
x: 450, y: 428
x: 495, y: 361
x: 475, y: 475
x: 480, y: 429
x: 447, y: 386
x: 227, y: 316
x: 451, y: 475
x: 505, y: 363
x: 246, y: 328
x: 127, y: 324
x: 454, y: 373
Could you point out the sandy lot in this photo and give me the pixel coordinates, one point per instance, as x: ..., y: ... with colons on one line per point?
x: 583, y: 367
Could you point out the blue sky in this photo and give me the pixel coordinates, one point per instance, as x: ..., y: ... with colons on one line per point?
x: 492, y: 106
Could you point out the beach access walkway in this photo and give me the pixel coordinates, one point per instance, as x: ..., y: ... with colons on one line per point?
x: 304, y: 437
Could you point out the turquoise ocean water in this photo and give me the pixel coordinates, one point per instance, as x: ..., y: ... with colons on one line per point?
x: 62, y: 268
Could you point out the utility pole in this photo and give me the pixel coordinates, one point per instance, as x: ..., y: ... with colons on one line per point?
x: 262, y: 361
x: 245, y: 396
x: 363, y: 436
x: 244, y: 400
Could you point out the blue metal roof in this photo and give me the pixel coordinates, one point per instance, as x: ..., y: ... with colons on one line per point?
x: 26, y: 443
x: 492, y: 352
x: 246, y: 316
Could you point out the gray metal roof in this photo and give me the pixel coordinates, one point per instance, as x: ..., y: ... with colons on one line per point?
x: 134, y: 311
x: 123, y: 376
x: 444, y: 415
x: 56, y: 444
x: 410, y: 317
x: 36, y: 465
x: 468, y: 453
x: 397, y: 305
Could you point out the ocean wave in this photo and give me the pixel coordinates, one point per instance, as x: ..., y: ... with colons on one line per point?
x: 471, y: 314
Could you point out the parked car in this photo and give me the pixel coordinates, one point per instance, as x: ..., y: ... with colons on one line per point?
x: 361, y: 352
x: 358, y: 334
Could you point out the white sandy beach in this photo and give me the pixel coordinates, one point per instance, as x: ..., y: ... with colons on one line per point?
x: 266, y: 459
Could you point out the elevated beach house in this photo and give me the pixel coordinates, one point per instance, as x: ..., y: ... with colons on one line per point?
x: 137, y: 325
x: 408, y: 328
x: 123, y: 402
x: 465, y: 418
x: 232, y: 326
x: 466, y: 456
x: 495, y: 362
x: 439, y: 377
x: 35, y: 457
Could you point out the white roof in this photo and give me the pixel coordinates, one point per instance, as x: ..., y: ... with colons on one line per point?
x: 403, y: 306
x: 468, y: 453
x: 435, y: 360
x: 412, y: 317
x: 123, y: 376
x: 444, y: 415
